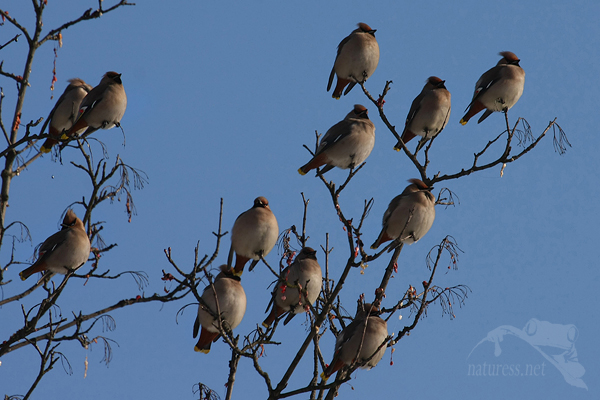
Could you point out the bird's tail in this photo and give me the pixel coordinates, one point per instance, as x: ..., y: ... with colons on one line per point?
x: 474, y: 109
x: 205, y: 340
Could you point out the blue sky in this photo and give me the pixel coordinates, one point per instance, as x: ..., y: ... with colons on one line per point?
x: 221, y: 98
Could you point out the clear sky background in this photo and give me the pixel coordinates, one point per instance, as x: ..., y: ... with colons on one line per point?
x: 221, y: 98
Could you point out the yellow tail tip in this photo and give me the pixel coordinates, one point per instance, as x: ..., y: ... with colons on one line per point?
x: 301, y: 172
x: 463, y: 122
x: 324, y: 377
x: 238, y: 274
x: 335, y: 97
x: 197, y: 350
x: 264, y: 324
x: 22, y: 276
x: 397, y: 148
x: 64, y: 136
x: 374, y: 247
x: 45, y: 150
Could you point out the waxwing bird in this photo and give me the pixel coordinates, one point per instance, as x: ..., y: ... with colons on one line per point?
x: 369, y: 339
x: 65, y: 112
x: 346, y: 144
x: 409, y: 215
x: 356, y: 60
x: 102, y: 108
x: 225, y: 297
x: 428, y: 113
x: 65, y: 251
x: 298, y: 286
x: 253, y: 235
x: 498, y: 89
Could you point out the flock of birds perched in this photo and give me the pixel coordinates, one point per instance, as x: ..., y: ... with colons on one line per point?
x: 81, y: 110
x: 345, y: 145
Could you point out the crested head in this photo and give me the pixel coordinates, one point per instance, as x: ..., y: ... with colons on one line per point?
x: 261, y: 202
x: 508, y: 57
x: 436, y: 82
x: 419, y: 184
x: 224, y: 268
x: 358, y: 108
x: 70, y: 218
x: 365, y: 28
x: 77, y: 82
x: 309, y: 252
x: 227, y: 272
x: 359, y: 111
x: 113, y: 76
x: 367, y: 309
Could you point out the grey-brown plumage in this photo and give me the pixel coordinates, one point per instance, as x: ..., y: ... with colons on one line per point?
x: 356, y: 60
x: 63, y: 252
x: 498, y: 89
x: 253, y: 235
x: 228, y: 293
x: 346, y: 144
x: 409, y: 216
x: 366, y: 332
x: 428, y: 113
x: 103, y: 107
x: 65, y: 112
x: 299, y: 286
